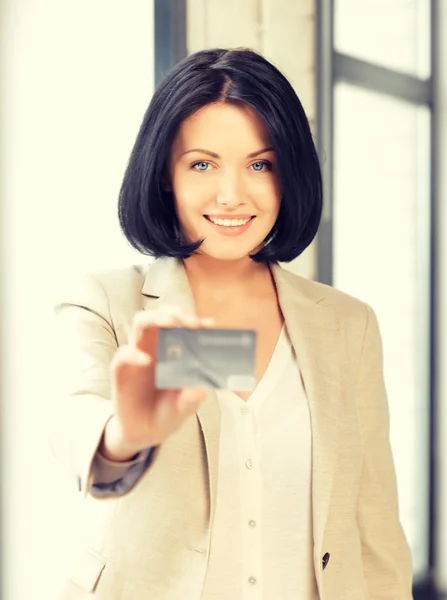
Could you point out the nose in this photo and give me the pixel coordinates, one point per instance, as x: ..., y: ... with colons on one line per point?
x: 230, y: 191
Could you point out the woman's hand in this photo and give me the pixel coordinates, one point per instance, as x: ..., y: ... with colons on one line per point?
x: 143, y: 416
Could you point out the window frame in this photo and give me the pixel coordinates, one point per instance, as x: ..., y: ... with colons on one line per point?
x: 169, y: 35
x: 332, y: 68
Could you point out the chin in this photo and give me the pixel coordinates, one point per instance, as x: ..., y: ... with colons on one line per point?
x: 226, y: 254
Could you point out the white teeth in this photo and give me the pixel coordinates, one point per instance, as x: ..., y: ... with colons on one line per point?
x: 229, y: 222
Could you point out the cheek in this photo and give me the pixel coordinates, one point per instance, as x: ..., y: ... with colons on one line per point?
x: 190, y: 192
x: 268, y: 196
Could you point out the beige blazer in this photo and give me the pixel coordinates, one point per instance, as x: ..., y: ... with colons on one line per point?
x: 154, y: 542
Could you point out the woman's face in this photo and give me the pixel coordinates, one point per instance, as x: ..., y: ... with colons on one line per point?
x: 223, y: 170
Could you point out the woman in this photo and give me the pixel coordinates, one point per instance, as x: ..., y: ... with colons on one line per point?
x: 287, y: 492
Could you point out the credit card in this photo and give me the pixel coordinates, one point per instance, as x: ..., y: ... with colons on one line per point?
x: 217, y: 358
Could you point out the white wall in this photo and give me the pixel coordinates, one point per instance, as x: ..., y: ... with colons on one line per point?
x: 76, y: 78
x: 441, y: 455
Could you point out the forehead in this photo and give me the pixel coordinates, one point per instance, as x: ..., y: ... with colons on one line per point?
x: 222, y: 125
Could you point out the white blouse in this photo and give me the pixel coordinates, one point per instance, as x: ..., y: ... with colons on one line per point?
x: 262, y: 538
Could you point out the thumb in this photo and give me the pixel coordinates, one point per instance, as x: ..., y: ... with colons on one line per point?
x: 191, y: 398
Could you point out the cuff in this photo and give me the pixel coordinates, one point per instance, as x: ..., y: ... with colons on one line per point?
x: 105, y: 470
x: 126, y: 475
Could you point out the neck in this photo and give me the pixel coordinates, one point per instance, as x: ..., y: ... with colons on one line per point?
x: 221, y: 275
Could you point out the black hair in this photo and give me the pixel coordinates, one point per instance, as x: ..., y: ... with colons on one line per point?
x: 147, y: 212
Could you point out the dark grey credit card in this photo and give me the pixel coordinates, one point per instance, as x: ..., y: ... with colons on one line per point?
x: 217, y: 358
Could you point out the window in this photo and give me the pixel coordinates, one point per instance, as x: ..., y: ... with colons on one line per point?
x: 375, y: 140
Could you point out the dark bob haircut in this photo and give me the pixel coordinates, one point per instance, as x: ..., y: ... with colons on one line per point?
x: 147, y: 213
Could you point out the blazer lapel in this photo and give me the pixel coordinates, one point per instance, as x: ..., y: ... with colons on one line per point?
x: 315, y: 332
x: 166, y: 283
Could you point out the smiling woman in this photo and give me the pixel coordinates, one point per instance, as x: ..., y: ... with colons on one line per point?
x: 213, y: 492
x: 227, y: 191
x: 228, y: 136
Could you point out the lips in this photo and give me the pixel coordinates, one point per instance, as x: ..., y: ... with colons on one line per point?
x: 230, y: 218
x: 231, y: 230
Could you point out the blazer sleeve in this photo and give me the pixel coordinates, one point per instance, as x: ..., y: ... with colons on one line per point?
x: 387, y: 561
x: 85, y: 343
x: 115, y: 479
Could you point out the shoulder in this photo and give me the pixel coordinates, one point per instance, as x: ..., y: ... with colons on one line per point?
x: 114, y: 281
x: 102, y: 289
x: 343, y: 304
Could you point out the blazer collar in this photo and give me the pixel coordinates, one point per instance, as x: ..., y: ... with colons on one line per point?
x: 166, y: 278
x: 317, y: 335
x: 166, y: 283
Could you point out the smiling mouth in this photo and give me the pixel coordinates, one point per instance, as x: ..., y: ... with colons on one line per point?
x: 229, y: 222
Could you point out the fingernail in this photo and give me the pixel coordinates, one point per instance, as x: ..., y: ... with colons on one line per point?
x: 165, y: 322
x: 191, y: 320
x: 144, y: 360
x: 208, y: 321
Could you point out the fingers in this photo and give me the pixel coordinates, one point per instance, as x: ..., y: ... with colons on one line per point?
x: 190, y: 399
x: 143, y: 334
x: 127, y: 358
x: 170, y: 316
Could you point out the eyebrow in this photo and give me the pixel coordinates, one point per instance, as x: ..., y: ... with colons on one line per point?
x: 214, y: 155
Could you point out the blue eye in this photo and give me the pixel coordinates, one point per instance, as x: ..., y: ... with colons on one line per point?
x: 259, y: 166
x: 199, y: 165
